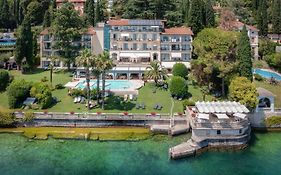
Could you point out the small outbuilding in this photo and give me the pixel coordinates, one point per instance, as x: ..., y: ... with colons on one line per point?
x: 266, y: 99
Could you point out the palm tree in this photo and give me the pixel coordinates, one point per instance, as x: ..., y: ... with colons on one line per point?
x: 86, y: 60
x: 156, y: 72
x: 51, y: 66
x: 106, y: 64
x: 97, y: 71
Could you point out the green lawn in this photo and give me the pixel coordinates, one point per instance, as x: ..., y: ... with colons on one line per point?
x: 114, y: 104
x: 275, y: 89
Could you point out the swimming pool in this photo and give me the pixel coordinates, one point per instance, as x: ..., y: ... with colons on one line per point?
x: 110, y: 84
x: 7, y: 43
x: 267, y: 74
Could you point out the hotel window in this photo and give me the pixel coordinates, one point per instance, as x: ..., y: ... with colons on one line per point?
x: 144, y: 37
x: 175, y: 39
x: 185, y: 57
x: 154, y: 47
x: 46, y: 38
x: 47, y: 45
x: 165, y: 47
x: 185, y: 47
x: 164, y: 38
x: 135, y: 46
x: 186, y: 38
x: 154, y: 37
x: 144, y: 46
x: 125, y: 46
x: 134, y: 37
x: 218, y: 132
x: 175, y: 47
x: 165, y: 57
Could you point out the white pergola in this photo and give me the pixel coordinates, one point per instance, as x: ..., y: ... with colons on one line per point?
x: 221, y: 107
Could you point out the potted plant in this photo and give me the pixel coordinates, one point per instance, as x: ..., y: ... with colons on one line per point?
x: 45, y: 112
x: 98, y: 113
x: 125, y: 113
x: 153, y: 113
x: 72, y: 112
x: 180, y: 113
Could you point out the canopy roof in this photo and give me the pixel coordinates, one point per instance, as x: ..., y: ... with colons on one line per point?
x: 221, y: 107
x: 239, y: 115
x: 203, y: 116
x: 222, y: 116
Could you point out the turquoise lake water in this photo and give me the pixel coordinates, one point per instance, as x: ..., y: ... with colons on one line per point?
x: 18, y: 155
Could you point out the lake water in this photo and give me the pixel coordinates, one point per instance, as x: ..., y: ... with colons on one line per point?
x: 18, y: 155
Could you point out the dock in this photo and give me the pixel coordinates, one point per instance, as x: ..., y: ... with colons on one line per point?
x: 185, y: 149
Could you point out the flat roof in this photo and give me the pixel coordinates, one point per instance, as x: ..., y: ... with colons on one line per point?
x: 221, y: 107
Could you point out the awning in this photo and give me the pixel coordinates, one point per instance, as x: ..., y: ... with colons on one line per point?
x: 135, y: 55
x: 240, y: 115
x: 125, y: 34
x: 176, y: 55
x: 203, y: 116
x: 170, y: 64
x: 222, y: 116
x: 221, y: 107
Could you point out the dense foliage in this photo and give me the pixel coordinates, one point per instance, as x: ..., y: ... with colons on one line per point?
x: 266, y: 47
x: 156, y: 72
x: 274, y: 61
x: 43, y: 94
x: 273, y: 121
x: 179, y: 69
x: 244, y: 55
x: 4, y: 79
x: 244, y: 91
x: 216, y: 62
x: 17, y: 92
x: 178, y: 86
x: 7, y: 118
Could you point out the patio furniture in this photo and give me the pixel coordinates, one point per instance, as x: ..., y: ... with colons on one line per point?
x: 143, y: 106
x: 155, y: 106
x: 131, y: 96
x: 138, y: 106
x: 159, y: 107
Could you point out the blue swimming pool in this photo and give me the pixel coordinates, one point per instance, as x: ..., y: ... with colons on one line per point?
x: 8, y: 43
x: 110, y: 84
x: 267, y: 74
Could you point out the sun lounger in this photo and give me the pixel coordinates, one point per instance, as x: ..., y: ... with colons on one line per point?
x: 159, y: 107
x: 125, y: 97
x: 75, y: 100
x: 138, y: 106
x: 155, y: 106
x: 143, y: 106
x: 131, y: 97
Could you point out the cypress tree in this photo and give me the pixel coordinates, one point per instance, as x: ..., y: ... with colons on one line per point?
x: 276, y: 16
x: 98, y: 12
x: 4, y: 13
x: 185, y: 9
x: 90, y: 12
x: 244, y: 55
x: 209, y: 14
x: 47, y: 19
x: 262, y: 18
x: 195, y: 16
x: 24, y: 43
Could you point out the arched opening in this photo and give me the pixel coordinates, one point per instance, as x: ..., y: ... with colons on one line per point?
x: 155, y: 56
x: 264, y: 103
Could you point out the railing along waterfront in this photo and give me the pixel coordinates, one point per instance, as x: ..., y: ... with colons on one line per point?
x: 235, y: 124
x: 99, y: 116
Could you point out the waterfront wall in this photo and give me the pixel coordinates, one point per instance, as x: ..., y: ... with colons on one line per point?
x: 98, y: 120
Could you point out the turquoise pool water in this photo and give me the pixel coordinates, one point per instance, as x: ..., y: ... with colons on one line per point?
x: 110, y: 84
x: 19, y: 156
x: 8, y: 43
x: 267, y: 74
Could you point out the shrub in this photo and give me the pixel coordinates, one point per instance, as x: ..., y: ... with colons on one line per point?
x: 28, y: 116
x: 244, y: 91
x: 7, y: 118
x: 273, y: 121
x: 4, y: 79
x: 258, y: 77
x: 43, y: 94
x: 59, y: 86
x: 44, y: 79
x: 179, y: 69
x: 274, y: 61
x: 17, y: 92
x: 178, y: 86
x: 188, y: 103
x: 76, y: 92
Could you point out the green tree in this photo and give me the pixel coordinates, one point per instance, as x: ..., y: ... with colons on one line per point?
x: 47, y: 19
x: 90, y: 12
x: 67, y: 27
x: 276, y: 16
x: 244, y: 55
x: 179, y: 69
x: 262, y: 18
x: 244, y: 91
x: 7, y: 118
x: 99, y: 11
x: 196, y: 16
x: 209, y: 14
x: 274, y: 61
x: 4, y: 14
x: 178, y: 86
x: 106, y: 65
x: 24, y: 44
x: 43, y: 94
x: 185, y: 4
x: 4, y: 79
x: 86, y: 60
x: 156, y: 72
x: 217, y: 59
x: 17, y: 92
x: 266, y: 47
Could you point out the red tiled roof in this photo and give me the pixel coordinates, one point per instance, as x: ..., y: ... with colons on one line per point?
x: 120, y: 22
x: 239, y: 24
x: 178, y: 31
x: 45, y: 31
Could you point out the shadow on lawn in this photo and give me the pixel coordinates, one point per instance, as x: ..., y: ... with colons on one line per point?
x: 116, y: 102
